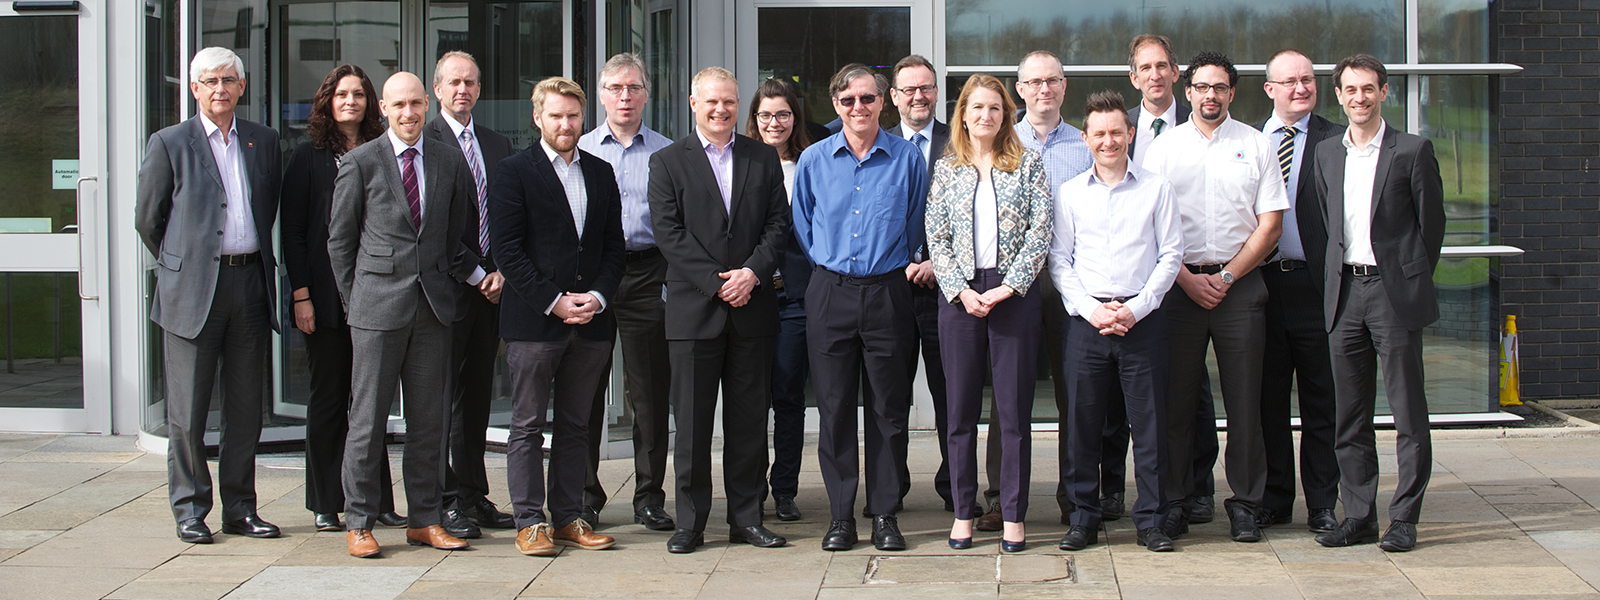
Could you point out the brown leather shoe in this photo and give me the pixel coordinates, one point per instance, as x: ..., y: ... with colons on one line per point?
x: 534, y: 540
x: 579, y: 534
x: 433, y: 535
x: 361, y: 543
x: 991, y: 520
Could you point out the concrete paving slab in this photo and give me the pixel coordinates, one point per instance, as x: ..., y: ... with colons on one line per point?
x: 78, y: 552
x: 900, y: 592
x: 1551, y: 517
x: 1451, y: 581
x: 330, y: 583
x: 493, y: 569
x: 1578, y: 550
x: 75, y: 583
x: 168, y: 590
x: 460, y: 590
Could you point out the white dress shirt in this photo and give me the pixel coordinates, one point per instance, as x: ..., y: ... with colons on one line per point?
x: 1360, y: 171
x: 985, y: 227
x: 1221, y: 184
x: 571, y: 176
x: 477, y: 149
x: 239, y: 227
x: 1289, y: 243
x: 1145, y: 134
x: 1115, y: 241
x: 788, y: 180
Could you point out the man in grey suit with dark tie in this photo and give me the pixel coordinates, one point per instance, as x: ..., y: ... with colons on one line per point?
x: 213, y: 299
x: 1381, y: 199
x: 402, y: 243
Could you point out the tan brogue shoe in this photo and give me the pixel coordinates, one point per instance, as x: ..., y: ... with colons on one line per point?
x: 579, y: 534
x: 534, y: 540
x: 361, y: 543
x: 433, y: 535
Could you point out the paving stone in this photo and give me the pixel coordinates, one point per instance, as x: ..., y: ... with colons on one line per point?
x: 1526, y: 494
x: 24, y: 538
x: 130, y: 553
x: 28, y: 582
x: 39, y: 456
x: 1336, y: 580
x: 616, y: 583
x: 169, y: 590
x: 932, y: 569
x: 466, y: 566
x: 188, y: 568
x: 44, y: 480
x: 330, y: 583
x: 1441, y: 581
x: 1578, y: 550
x: 93, y: 443
x: 781, y: 585
x: 329, y: 549
x: 460, y: 590
x: 900, y: 592
x: 1551, y: 517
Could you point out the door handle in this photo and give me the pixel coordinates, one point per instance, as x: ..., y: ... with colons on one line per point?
x: 78, y: 191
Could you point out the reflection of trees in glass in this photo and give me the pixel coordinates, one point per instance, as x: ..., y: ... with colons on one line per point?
x: 1456, y: 116
x: 1453, y: 31
x: 992, y: 32
x: 808, y: 45
x: 38, y: 115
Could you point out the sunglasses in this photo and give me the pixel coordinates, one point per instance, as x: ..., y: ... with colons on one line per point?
x: 850, y: 101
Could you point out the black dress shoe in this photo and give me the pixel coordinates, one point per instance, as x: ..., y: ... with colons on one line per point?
x: 787, y: 511
x: 684, y: 541
x: 1154, y: 539
x: 1401, y: 537
x: 1079, y: 537
x: 898, y: 506
x: 1267, y: 517
x: 841, y: 536
x: 486, y: 514
x: 1349, y: 533
x: 251, y: 526
x: 1177, y: 521
x: 1242, y: 523
x: 194, y: 531
x: 755, y: 535
x: 886, y: 533
x: 654, y: 518
x: 458, y: 525
x: 1112, y: 506
x: 1321, y: 520
x: 1201, y: 509
x: 327, y: 521
x: 590, y: 515
x: 392, y: 519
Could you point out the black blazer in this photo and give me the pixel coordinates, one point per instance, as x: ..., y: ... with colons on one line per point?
x: 307, y: 203
x: 495, y: 147
x: 1308, y: 214
x: 1407, y: 224
x: 1133, y: 113
x: 941, y: 136
x: 542, y: 256
x: 700, y: 239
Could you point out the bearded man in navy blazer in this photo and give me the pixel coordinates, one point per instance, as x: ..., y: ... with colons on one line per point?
x: 213, y: 300
x: 721, y: 219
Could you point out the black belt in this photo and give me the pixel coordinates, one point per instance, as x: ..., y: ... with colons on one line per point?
x: 1204, y: 269
x: 1362, y: 270
x: 239, y: 260
x: 646, y: 254
x: 863, y: 280
x: 1115, y: 299
x: 1287, y: 264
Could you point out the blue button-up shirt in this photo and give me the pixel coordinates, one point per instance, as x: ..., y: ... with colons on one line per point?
x: 1289, y: 243
x: 1064, y: 153
x: 632, y: 167
x: 860, y: 217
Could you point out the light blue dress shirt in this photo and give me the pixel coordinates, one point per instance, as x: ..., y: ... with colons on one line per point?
x: 860, y: 217
x: 1065, y: 155
x: 1289, y: 244
x: 632, y: 166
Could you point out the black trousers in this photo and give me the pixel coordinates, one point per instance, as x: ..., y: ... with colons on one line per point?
x: 475, y: 352
x: 925, y: 332
x: 646, y: 381
x: 1297, y: 348
x: 738, y: 367
x: 1129, y: 373
x: 563, y: 374
x: 856, y: 324
x: 789, y: 369
x: 329, y: 355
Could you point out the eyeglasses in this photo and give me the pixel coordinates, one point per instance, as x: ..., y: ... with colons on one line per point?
x: 1202, y: 88
x: 1036, y: 84
x: 616, y: 90
x: 780, y: 116
x: 215, y: 83
x: 850, y: 101
x: 1305, y: 82
x: 927, y: 90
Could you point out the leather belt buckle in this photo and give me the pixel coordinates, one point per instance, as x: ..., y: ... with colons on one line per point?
x: 1289, y: 264
x: 237, y: 260
x: 1362, y: 270
x: 1204, y: 269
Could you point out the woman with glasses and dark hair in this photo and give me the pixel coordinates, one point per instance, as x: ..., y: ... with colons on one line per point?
x: 344, y: 114
x: 989, y: 222
x: 775, y: 118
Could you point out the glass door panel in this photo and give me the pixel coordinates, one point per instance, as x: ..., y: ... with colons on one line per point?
x: 516, y: 44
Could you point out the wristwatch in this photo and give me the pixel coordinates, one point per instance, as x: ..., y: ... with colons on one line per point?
x: 1227, y: 277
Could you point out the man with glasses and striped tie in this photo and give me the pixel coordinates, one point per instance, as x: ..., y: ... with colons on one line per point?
x: 1297, y: 341
x: 476, y: 337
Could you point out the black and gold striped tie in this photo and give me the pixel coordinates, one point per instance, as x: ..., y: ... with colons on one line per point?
x: 1286, y: 150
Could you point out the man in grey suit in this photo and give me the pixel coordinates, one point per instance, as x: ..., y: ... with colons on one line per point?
x: 402, y: 243
x: 213, y: 172
x: 1381, y: 199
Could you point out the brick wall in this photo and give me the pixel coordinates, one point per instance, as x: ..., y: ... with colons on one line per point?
x: 1550, y: 191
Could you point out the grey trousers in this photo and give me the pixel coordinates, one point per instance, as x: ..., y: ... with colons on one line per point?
x: 237, y: 334
x: 1365, y: 333
x: 414, y: 359
x: 567, y: 374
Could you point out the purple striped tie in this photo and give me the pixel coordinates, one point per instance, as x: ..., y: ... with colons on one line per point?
x: 408, y: 180
x: 483, y: 191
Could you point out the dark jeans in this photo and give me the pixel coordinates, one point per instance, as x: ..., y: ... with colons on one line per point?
x: 789, y: 368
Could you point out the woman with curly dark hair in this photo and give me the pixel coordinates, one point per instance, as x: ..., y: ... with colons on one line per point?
x: 344, y: 114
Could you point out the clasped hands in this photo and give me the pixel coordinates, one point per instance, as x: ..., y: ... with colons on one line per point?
x: 576, y: 308
x: 979, y: 305
x: 736, y: 290
x: 1112, y: 318
x: 1206, y: 290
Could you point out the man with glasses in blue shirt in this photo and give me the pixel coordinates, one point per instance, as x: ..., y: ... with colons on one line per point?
x: 858, y: 210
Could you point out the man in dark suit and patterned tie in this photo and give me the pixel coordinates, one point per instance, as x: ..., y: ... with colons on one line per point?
x: 214, y: 292
x: 476, y: 337
x: 1297, y: 342
x: 402, y: 242
x: 721, y: 220
x: 1382, y: 201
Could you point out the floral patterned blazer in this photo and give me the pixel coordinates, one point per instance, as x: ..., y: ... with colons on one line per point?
x: 1026, y: 219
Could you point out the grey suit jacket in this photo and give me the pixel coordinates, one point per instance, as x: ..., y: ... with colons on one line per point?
x: 1407, y: 224
x: 379, y: 256
x: 180, y: 211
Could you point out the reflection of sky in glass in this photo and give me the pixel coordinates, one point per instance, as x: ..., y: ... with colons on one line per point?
x: 981, y: 32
